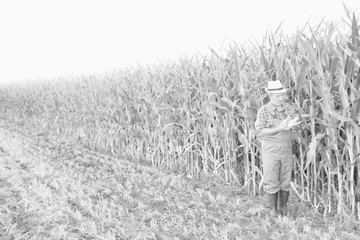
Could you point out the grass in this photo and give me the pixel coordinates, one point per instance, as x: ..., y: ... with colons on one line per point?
x: 54, y: 189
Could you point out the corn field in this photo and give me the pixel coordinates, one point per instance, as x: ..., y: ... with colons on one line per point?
x: 197, y: 115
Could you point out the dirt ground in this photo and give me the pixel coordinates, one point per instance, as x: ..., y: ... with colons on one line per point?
x: 53, y: 188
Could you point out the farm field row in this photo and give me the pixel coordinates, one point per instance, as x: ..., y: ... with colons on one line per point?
x: 57, y: 189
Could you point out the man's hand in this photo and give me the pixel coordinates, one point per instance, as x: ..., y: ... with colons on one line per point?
x: 288, y: 124
x: 284, y: 125
x: 294, y: 122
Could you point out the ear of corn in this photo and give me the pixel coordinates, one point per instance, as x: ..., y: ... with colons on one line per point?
x: 197, y: 115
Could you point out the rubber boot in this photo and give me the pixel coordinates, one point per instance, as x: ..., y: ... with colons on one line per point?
x: 272, y: 201
x: 283, y: 197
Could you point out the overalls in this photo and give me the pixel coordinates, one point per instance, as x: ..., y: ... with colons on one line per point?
x: 277, y: 161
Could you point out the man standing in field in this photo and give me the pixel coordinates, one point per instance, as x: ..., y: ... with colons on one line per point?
x: 274, y: 124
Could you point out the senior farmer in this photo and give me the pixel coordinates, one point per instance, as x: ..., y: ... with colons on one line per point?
x: 274, y: 124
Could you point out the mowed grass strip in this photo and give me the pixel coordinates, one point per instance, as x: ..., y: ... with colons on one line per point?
x: 55, y: 190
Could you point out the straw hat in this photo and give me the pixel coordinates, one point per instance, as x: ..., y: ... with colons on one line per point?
x: 275, y: 87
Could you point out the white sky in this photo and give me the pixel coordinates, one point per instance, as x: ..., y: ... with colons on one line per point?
x: 48, y: 38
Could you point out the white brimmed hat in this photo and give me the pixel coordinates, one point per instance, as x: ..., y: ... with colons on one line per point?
x: 275, y: 87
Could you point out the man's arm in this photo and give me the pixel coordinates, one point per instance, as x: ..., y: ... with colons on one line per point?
x: 272, y: 131
x: 282, y: 127
x: 262, y: 130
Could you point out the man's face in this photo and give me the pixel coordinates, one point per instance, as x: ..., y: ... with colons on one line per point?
x: 278, y: 98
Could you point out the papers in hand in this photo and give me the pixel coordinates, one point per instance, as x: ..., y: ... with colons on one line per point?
x: 294, y: 122
x: 290, y: 123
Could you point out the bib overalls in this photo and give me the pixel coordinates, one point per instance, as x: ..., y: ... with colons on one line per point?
x: 277, y: 161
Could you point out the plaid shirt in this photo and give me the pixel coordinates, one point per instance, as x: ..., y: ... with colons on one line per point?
x: 269, y: 113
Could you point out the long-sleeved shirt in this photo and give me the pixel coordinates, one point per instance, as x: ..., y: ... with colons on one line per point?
x: 270, y: 115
